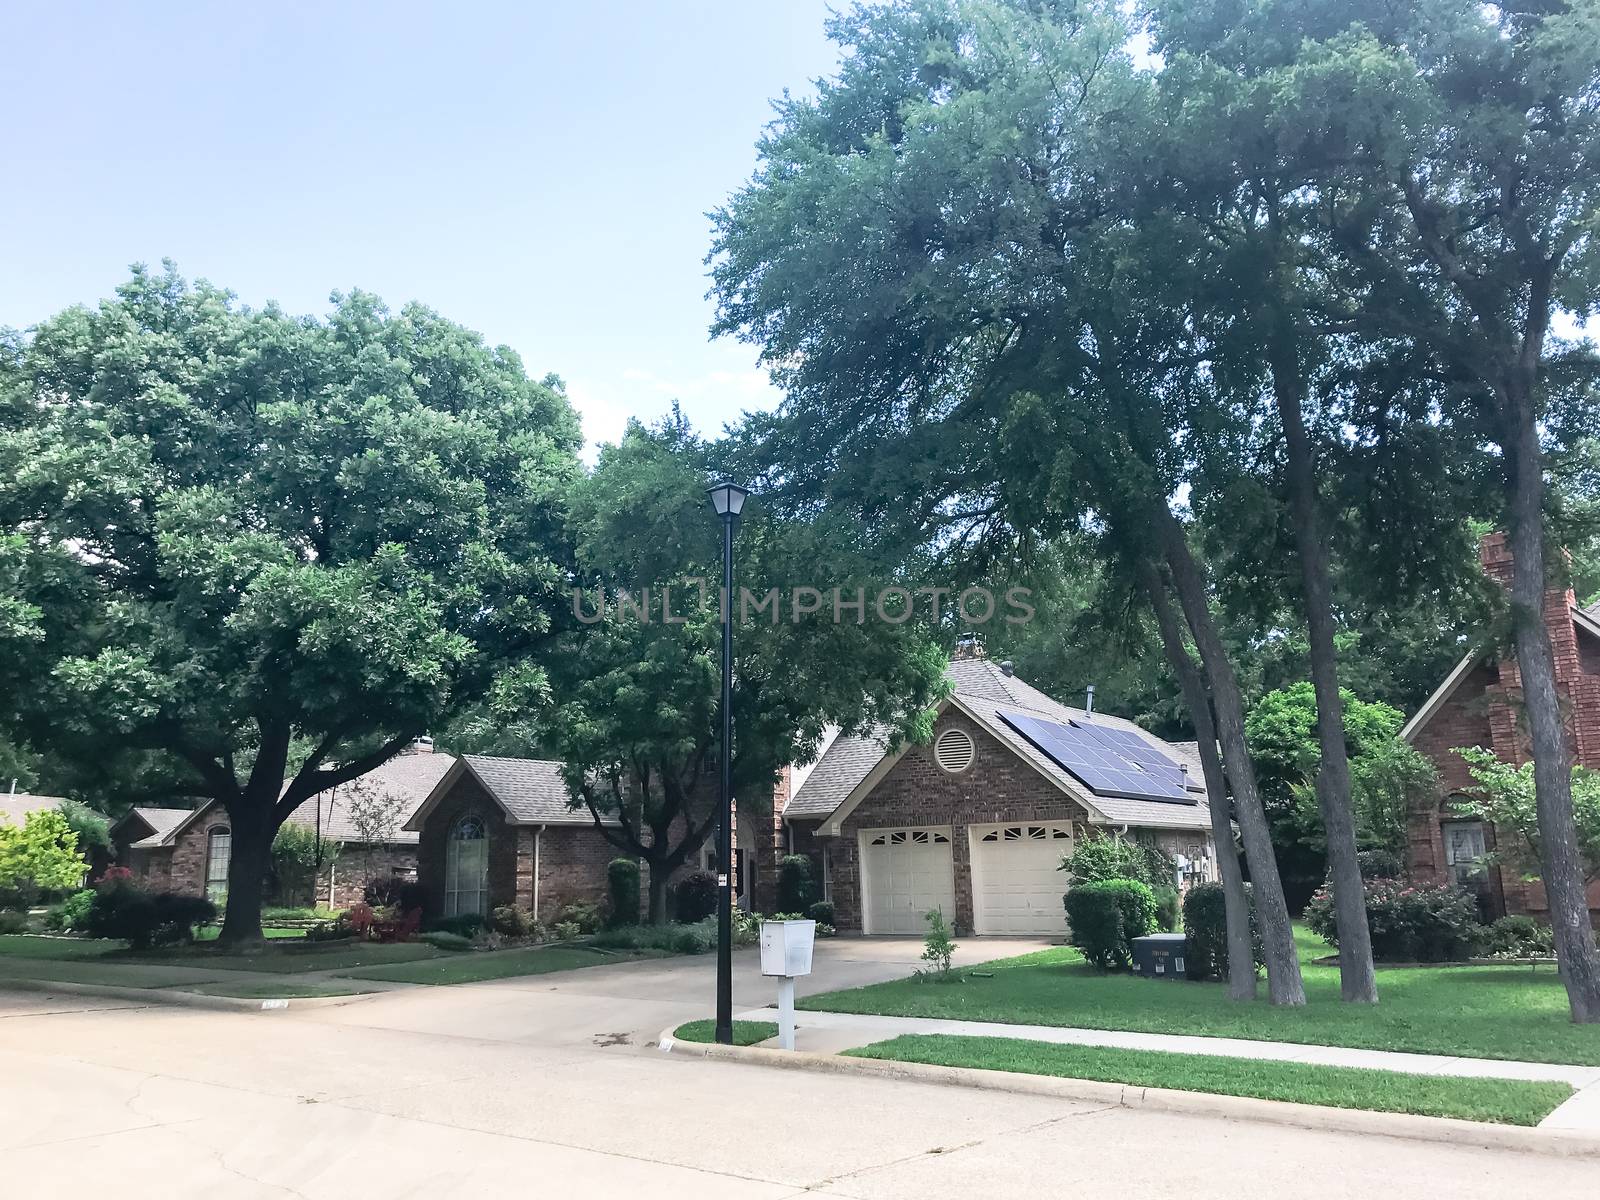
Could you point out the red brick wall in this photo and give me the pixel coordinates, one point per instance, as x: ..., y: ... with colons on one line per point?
x: 466, y: 798
x: 187, y: 862
x: 356, y: 866
x: 1486, y: 710
x: 572, y: 868
x: 917, y: 791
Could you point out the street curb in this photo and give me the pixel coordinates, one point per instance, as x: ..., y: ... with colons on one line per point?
x: 1451, y: 1131
x: 178, y: 998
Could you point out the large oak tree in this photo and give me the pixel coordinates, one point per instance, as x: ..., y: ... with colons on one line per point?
x: 271, y: 549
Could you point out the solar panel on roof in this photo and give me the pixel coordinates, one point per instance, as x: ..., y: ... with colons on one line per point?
x: 1109, y: 762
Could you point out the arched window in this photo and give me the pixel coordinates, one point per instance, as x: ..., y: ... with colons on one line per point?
x: 466, y: 868
x: 219, y: 849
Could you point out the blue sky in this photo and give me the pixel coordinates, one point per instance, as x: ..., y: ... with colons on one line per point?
x: 539, y: 172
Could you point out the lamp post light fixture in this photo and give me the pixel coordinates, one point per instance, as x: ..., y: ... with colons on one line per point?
x: 727, y: 499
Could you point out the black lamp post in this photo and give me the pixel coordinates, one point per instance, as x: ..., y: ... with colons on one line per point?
x: 726, y: 500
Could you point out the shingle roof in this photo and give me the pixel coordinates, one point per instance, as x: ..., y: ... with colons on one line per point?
x: 984, y: 690
x: 844, y: 764
x: 160, y: 821
x: 531, y: 790
x: 15, y: 806
x: 407, y: 778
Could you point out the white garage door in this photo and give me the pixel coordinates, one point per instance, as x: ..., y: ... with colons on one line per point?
x: 1017, y: 887
x: 906, y: 873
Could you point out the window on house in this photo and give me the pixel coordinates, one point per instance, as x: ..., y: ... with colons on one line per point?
x: 219, y: 849
x: 1464, y: 848
x: 466, y: 868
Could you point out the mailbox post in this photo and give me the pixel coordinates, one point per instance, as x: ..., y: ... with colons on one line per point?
x: 786, y: 953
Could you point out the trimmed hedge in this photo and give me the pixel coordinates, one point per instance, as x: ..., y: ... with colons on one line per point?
x: 1205, y: 926
x: 622, y: 879
x: 144, y: 919
x: 797, y: 884
x: 1105, y: 916
x: 695, y: 897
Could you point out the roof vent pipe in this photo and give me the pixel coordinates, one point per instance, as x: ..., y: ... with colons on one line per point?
x: 1088, y: 701
x: 1006, y: 667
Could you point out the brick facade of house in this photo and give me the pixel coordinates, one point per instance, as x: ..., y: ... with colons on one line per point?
x: 1486, y: 710
x: 999, y: 787
x: 571, y: 859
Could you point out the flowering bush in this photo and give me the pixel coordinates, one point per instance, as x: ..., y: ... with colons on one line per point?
x: 1409, y: 922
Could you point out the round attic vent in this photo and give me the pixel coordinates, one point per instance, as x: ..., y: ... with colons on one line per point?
x: 952, y: 750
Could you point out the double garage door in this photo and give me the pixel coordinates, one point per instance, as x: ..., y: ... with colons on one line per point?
x: 1016, y: 884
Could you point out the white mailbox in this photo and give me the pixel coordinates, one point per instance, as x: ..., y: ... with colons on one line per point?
x: 786, y: 947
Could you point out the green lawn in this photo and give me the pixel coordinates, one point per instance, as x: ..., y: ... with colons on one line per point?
x: 271, y: 932
x: 745, y: 1033
x: 289, y: 957
x: 1483, y: 1012
x: 18, y: 945
x: 1505, y: 1101
x: 473, y: 967
x: 104, y: 961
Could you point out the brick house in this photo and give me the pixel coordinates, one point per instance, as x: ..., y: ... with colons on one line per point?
x: 498, y: 831
x: 1479, y: 704
x: 187, y: 850
x: 976, y: 822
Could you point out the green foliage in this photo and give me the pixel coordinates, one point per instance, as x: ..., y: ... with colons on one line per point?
x: 622, y: 880
x: 92, y: 828
x: 75, y: 909
x: 13, y: 922
x: 1101, y: 856
x: 256, y: 537
x: 699, y: 938
x: 144, y: 919
x: 298, y: 854
x: 1517, y: 937
x: 41, y: 855
x: 443, y: 939
x: 797, y: 884
x: 1104, y: 917
x: 695, y: 897
x: 583, y: 915
x: 510, y: 921
x: 937, y: 947
x: 1409, y: 922
x: 1380, y: 864
x: 821, y: 912
x: 1167, y: 908
x: 1505, y: 797
x: 633, y: 709
x: 1205, y: 928
x: 1387, y: 778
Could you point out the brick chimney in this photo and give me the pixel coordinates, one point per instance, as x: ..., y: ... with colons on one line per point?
x: 1494, y: 553
x: 968, y: 645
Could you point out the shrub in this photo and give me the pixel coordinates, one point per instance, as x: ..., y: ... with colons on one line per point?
x: 581, y: 913
x: 1166, y: 909
x: 466, y: 925
x: 40, y: 855
x: 510, y: 921
x: 797, y: 884
x: 443, y: 939
x: 402, y: 895
x: 1105, y: 916
x: 1205, y: 927
x: 565, y: 931
x: 675, y: 939
x: 1409, y: 922
x: 821, y: 912
x: 1517, y: 937
x: 1380, y: 864
x: 74, y: 911
x: 937, y: 948
x: 124, y: 910
x: 336, y: 930
x: 13, y: 922
x: 695, y: 897
x: 1101, y: 856
x: 622, y: 878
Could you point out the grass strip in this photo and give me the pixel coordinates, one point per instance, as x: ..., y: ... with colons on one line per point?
x: 475, y: 967
x: 745, y: 1033
x: 1501, y: 1101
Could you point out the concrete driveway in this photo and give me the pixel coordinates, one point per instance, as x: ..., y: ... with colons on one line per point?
x: 545, y: 1087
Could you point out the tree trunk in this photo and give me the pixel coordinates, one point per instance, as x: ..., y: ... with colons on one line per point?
x: 1284, y: 985
x: 659, y: 879
x: 248, y: 862
x: 1357, y: 980
x: 1236, y: 903
x: 1560, y: 863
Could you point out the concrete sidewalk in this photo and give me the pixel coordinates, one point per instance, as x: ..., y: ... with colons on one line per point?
x: 831, y: 1033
